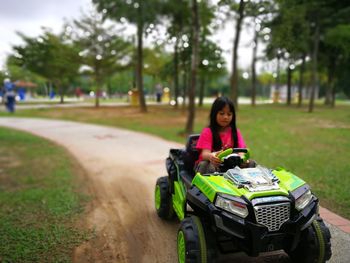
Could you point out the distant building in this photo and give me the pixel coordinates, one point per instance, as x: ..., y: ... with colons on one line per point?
x: 294, y: 93
x: 25, y: 88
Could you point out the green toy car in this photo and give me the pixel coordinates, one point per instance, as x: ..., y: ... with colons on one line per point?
x: 241, y: 208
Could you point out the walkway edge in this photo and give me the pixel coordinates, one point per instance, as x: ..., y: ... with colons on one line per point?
x: 335, y: 220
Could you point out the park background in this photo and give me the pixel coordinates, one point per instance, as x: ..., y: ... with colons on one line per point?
x: 292, y: 99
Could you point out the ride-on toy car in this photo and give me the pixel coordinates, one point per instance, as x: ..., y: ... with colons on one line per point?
x: 252, y: 209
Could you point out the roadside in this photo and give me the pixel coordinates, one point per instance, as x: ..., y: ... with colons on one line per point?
x: 40, y: 206
x: 73, y: 103
x: 123, y: 166
x: 121, y: 178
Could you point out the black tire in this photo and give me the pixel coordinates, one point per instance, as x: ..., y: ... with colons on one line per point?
x: 164, y: 206
x: 198, y: 247
x: 314, y: 245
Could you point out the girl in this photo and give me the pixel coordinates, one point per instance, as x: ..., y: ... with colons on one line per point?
x: 220, y: 135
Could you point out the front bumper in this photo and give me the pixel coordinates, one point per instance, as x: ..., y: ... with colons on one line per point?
x: 238, y: 234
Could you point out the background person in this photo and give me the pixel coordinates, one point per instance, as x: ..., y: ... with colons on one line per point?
x: 9, y: 95
x: 159, y: 93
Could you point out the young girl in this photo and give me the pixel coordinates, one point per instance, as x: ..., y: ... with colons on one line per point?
x: 220, y: 135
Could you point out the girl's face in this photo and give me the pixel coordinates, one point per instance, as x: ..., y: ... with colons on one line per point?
x: 224, y: 117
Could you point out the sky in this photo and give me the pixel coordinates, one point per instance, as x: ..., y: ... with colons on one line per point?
x: 29, y: 16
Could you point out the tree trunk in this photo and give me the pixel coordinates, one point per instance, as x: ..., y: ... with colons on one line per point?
x: 277, y: 90
x: 142, y: 101
x: 61, y: 95
x: 109, y: 88
x: 46, y: 86
x: 60, y: 90
x: 97, y: 96
x: 98, y: 85
x: 176, y: 71
x: 289, y: 85
x: 333, y: 96
x: 330, y: 77
x: 184, y: 88
x: 234, y: 76
x: 134, y: 63
x: 201, y: 91
x: 255, y: 49
x: 301, y: 80
x: 194, y: 66
x: 314, y: 67
x: 62, y: 98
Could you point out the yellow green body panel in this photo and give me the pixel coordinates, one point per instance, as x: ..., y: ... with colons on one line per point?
x: 179, y: 199
x: 211, y: 185
x: 288, y: 180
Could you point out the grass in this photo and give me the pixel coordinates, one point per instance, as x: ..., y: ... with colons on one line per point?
x: 39, y: 202
x: 314, y: 146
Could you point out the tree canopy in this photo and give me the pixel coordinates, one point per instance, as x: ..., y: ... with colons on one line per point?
x: 311, y: 37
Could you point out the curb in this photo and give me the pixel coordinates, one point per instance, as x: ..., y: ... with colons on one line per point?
x: 336, y: 220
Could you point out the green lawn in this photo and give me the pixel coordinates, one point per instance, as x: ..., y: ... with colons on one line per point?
x: 314, y: 146
x: 39, y: 202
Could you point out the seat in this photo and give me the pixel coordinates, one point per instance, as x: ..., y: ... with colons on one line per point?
x: 191, y: 154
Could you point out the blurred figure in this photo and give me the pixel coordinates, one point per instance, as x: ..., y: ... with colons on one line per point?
x: 159, y: 93
x: 9, y: 95
x: 78, y: 92
x: 52, y: 95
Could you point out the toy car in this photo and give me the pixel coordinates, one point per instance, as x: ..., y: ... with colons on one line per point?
x: 252, y: 209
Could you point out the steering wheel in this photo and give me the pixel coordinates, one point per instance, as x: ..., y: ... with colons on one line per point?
x: 230, y: 158
x: 233, y: 152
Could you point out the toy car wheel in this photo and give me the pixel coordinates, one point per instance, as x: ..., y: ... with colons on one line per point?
x: 314, y: 245
x: 162, y: 198
x: 192, y: 246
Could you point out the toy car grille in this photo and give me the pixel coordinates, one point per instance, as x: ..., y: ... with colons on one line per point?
x: 272, y: 216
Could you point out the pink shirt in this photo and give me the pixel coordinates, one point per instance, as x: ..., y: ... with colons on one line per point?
x: 205, y: 140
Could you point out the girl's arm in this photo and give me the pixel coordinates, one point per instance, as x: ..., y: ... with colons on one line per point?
x: 211, y: 157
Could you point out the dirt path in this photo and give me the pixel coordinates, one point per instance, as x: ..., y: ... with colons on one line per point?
x: 121, y: 176
x: 122, y: 169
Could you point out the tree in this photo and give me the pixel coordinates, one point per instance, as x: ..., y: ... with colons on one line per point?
x: 289, y: 38
x: 337, y: 49
x: 102, y: 49
x: 239, y: 9
x: 194, y: 67
x: 155, y: 64
x: 259, y: 11
x: 301, y: 79
x: 21, y: 73
x: 140, y: 13
x: 211, y: 61
x: 343, y: 79
x: 49, y: 56
x: 185, y: 58
x: 212, y: 65
x: 254, y: 59
x: 178, y: 14
x: 316, y: 40
x: 323, y: 15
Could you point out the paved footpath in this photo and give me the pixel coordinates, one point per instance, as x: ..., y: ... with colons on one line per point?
x: 84, y: 142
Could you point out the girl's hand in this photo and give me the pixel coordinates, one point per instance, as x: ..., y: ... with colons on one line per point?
x: 214, y: 159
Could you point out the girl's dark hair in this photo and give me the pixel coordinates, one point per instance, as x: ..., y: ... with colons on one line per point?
x: 217, y: 106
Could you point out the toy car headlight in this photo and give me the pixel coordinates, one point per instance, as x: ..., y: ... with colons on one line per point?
x: 231, y: 206
x: 303, y: 200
